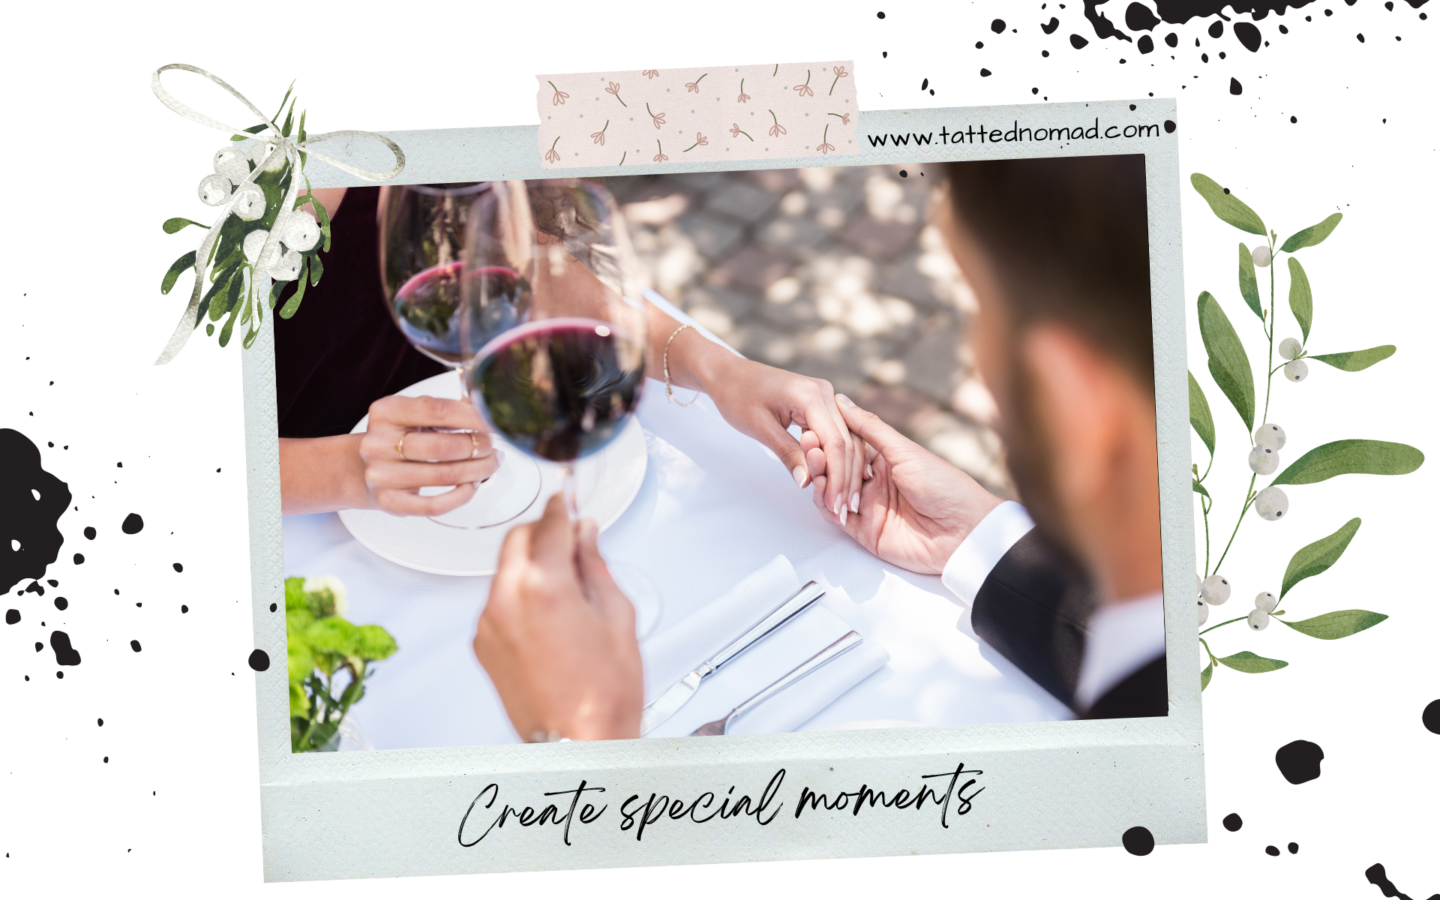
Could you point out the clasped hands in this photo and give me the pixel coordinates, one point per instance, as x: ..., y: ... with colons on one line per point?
x: 557, y: 635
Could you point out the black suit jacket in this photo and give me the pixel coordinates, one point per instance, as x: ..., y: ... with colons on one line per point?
x: 1033, y: 608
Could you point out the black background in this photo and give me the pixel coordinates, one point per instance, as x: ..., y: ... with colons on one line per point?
x: 1324, y: 121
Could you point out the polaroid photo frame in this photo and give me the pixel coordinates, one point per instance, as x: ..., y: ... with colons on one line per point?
x: 825, y: 794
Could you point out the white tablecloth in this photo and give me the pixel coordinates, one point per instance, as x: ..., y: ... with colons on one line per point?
x: 715, y: 506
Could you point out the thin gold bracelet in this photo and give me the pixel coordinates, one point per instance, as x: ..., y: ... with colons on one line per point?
x: 669, y: 391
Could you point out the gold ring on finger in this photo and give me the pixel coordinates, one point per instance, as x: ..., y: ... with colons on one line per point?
x: 400, y: 446
x: 474, y: 446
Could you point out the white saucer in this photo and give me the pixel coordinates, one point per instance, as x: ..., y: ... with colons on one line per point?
x: 607, y: 483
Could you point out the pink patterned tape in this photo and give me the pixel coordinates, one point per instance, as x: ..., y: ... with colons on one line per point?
x: 692, y: 115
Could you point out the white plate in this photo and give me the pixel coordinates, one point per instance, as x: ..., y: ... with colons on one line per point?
x: 607, y: 483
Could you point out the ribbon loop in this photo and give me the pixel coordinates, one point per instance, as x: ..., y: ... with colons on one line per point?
x: 284, y: 146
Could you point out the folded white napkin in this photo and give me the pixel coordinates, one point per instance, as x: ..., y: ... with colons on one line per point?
x: 683, y: 647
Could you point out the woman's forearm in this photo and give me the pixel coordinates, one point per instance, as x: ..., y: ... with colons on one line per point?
x: 321, y: 475
x: 695, y: 361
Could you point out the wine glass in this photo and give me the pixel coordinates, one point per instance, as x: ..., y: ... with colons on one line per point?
x: 556, y: 330
x: 422, y: 245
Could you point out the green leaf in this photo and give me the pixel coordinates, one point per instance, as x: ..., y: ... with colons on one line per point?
x: 317, y: 268
x: 1249, y: 289
x: 293, y: 303
x: 373, y: 642
x: 295, y: 594
x: 1200, y: 418
x: 180, y: 265
x: 1248, y: 662
x: 332, y: 634
x: 322, y: 218
x: 1335, y: 625
x: 173, y: 225
x: 1204, y: 676
x: 1301, y: 300
x: 1351, y: 457
x: 1227, y: 206
x: 1312, y: 559
x: 283, y: 101
x: 301, y: 662
x: 1355, y: 360
x: 1229, y: 365
x: 1309, y: 237
x: 249, y: 133
x: 229, y: 326
x: 1199, y: 488
x: 209, y: 329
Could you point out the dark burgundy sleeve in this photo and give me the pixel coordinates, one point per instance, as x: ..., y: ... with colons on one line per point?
x: 341, y: 351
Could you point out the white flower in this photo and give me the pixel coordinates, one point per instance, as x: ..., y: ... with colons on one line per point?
x: 254, y: 243
x: 1271, y: 503
x: 249, y: 202
x: 1266, y: 601
x: 1215, y: 590
x: 1296, y: 370
x: 288, y: 268
x: 1258, y: 620
x: 336, y: 587
x: 231, y: 163
x: 1204, y: 610
x: 1261, y: 256
x: 1270, y: 436
x: 1290, y: 348
x: 1264, y: 461
x: 214, y: 190
x: 301, y: 231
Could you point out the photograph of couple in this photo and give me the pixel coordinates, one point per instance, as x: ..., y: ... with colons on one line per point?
x: 723, y: 453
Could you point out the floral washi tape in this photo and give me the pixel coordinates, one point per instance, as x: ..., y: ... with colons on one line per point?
x: 651, y: 116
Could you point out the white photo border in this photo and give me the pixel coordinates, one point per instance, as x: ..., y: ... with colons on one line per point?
x: 1045, y: 785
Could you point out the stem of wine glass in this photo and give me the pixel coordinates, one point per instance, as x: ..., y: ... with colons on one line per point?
x: 568, y: 489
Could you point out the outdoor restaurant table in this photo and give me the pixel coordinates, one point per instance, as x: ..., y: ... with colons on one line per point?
x: 714, y: 507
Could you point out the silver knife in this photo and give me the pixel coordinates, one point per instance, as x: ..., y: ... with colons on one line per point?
x: 679, y: 693
x: 830, y: 653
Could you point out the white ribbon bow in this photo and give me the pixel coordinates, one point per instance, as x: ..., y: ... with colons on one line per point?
x: 281, y: 145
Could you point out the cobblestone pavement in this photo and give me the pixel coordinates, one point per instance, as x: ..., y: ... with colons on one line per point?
x: 828, y: 272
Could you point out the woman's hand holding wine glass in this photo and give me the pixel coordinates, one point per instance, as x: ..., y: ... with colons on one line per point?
x: 399, y: 459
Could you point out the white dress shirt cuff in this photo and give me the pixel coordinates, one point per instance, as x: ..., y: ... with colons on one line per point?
x: 977, y: 555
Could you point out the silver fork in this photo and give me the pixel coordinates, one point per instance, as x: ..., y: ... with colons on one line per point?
x: 830, y: 653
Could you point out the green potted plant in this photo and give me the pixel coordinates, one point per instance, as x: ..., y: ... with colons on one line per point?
x: 323, y: 645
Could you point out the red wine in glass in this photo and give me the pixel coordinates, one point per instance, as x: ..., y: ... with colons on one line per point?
x: 560, y: 388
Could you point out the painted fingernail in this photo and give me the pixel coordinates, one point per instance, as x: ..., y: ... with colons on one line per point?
x: 801, y: 476
x: 840, y: 506
x: 844, y: 400
x: 843, y: 513
x: 855, y: 502
x: 869, y: 471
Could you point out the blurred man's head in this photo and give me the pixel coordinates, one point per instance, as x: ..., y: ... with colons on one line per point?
x: 1057, y: 252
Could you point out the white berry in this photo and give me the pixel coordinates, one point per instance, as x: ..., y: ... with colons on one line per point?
x: 288, y: 268
x: 1270, y: 436
x: 1258, y: 620
x: 231, y: 163
x: 1261, y: 256
x: 301, y: 231
x: 1296, y: 370
x: 1215, y: 590
x: 254, y: 243
x: 1265, y: 601
x: 1204, y: 610
x: 249, y: 202
x: 214, y: 190
x: 1272, y: 504
x: 1263, y: 460
x: 261, y: 150
x: 1290, y: 349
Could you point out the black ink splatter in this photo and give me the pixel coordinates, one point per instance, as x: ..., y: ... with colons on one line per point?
x: 100, y: 723
x: 65, y: 655
x: 1078, y: 42
x: 1376, y: 876
x: 1299, y: 761
x: 1169, y: 127
x: 1235, y: 87
x: 998, y: 26
x: 34, y: 588
x: 178, y: 567
x: 1248, y: 36
x: 1293, y: 847
x: 132, y: 524
x: 78, y: 558
x: 61, y: 603
x: 1138, y: 840
x: 1172, y: 39
x: 879, y: 15
x: 984, y: 73
x: 1232, y: 822
x: 924, y: 84
x: 1272, y: 850
x: 12, y: 617
x: 904, y: 174
x: 272, y: 607
x: 1104, y: 28
x: 1050, y: 26
x: 89, y: 533
x: 184, y: 608
x: 1138, y: 17
x: 1145, y: 44
x: 1217, y: 29
x: 135, y: 645
x: 1430, y: 718
x: 259, y: 660
x: 31, y: 502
